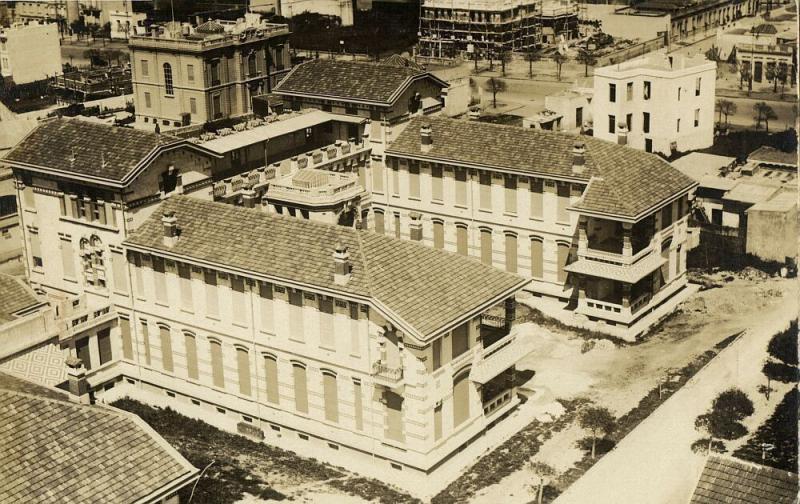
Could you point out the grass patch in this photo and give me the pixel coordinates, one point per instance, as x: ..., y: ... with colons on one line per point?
x: 527, y: 314
x: 508, y: 458
x: 779, y: 430
x: 373, y: 491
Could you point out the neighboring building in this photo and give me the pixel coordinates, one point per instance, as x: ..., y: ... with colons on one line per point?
x: 46, y: 11
x: 192, y: 75
x: 125, y: 23
x: 726, y: 479
x: 764, y: 48
x: 342, y: 9
x: 26, y: 322
x: 56, y: 451
x: 452, y: 28
x: 574, y: 107
x: 772, y: 228
x: 600, y: 228
x: 559, y: 21
x: 545, y: 120
x: 29, y: 52
x: 658, y: 103
x: 10, y: 233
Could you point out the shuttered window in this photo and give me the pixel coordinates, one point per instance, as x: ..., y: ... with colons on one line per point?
x: 185, y: 274
x: 118, y: 270
x: 217, y: 373
x: 331, y: 393
x: 67, y: 258
x: 462, y: 245
x: 212, y: 301
x: 413, y: 180
x: 146, y: 341
x: 36, y: 249
x: 461, y: 187
x: 485, y: 179
x: 358, y: 406
x: 166, y: 348
x: 511, y: 253
x: 486, y: 246
x: 191, y: 356
x: 82, y: 349
x: 437, y: 422
x: 438, y: 234
x: 237, y: 300
x: 267, y: 306
x: 511, y: 194
x: 563, y: 203
x: 380, y: 226
x: 436, y: 183
x: 127, y: 342
x: 436, y: 349
x: 377, y: 176
x: 327, y: 337
x: 460, y: 340
x: 159, y: 274
x: 537, y: 258
x: 104, y: 345
x: 296, y: 315
x: 394, y: 416
x: 300, y: 388
x: 460, y: 398
x: 243, y: 366
x: 563, y: 256
x: 137, y: 267
x: 271, y: 375
x: 395, y: 178
x: 537, y: 198
x: 355, y: 336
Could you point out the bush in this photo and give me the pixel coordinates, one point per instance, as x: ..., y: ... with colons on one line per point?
x: 783, y: 346
x: 781, y: 372
x: 780, y: 431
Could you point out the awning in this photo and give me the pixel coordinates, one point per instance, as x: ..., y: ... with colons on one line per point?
x: 621, y: 273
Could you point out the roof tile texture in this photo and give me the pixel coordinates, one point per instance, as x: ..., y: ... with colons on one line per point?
x: 426, y: 288
x: 14, y: 296
x: 725, y: 480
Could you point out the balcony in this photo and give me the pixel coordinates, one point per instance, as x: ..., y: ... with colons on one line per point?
x: 312, y: 187
x: 86, y: 320
x: 492, y: 360
x: 388, y: 376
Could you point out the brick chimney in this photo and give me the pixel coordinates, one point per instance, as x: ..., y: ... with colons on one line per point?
x: 341, y: 264
x: 76, y: 379
x: 415, y: 228
x: 578, y: 157
x: 248, y: 198
x: 170, y: 222
x: 622, y: 134
x: 426, y: 137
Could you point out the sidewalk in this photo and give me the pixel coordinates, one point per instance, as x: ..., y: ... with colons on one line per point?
x: 654, y: 464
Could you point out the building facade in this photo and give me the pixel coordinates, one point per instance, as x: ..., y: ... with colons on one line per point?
x: 29, y: 52
x: 10, y: 232
x: 184, y: 75
x: 342, y: 9
x: 658, y: 103
x: 537, y: 203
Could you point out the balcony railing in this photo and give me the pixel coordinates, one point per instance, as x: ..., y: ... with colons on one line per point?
x: 387, y: 375
x: 615, y: 258
x: 78, y: 323
x: 497, y: 357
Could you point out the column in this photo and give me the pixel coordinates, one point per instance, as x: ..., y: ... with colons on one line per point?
x: 627, y: 247
x: 626, y: 296
x: 583, y: 240
x: 511, y: 312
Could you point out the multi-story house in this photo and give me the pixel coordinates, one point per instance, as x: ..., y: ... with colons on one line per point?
x: 191, y: 75
x: 29, y: 52
x: 599, y: 228
x: 10, y: 233
x: 659, y: 103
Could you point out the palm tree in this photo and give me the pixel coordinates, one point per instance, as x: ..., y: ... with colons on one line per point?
x: 726, y: 108
x: 532, y: 55
x: 764, y: 113
x: 587, y: 57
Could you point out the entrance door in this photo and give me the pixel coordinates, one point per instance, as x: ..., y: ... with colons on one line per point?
x: 394, y: 416
x: 648, y: 145
x: 579, y: 117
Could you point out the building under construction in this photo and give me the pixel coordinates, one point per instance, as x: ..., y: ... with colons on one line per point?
x: 449, y: 28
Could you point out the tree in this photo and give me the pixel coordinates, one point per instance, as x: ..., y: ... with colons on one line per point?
x: 587, y: 57
x: 782, y: 74
x: 504, y: 58
x: 543, y: 474
x: 772, y: 75
x: 495, y: 85
x: 745, y: 76
x: 726, y: 108
x: 559, y: 60
x: 713, y: 54
x: 532, y: 55
x: 597, y: 420
x: 78, y: 27
x: 723, y: 420
x: 763, y: 113
x: 782, y: 348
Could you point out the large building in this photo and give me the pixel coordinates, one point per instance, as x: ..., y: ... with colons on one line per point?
x: 29, y: 52
x: 599, y: 228
x: 659, y: 103
x: 192, y: 75
x: 451, y: 28
x: 342, y: 9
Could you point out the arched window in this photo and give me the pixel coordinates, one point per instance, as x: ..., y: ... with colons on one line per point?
x: 251, y: 64
x: 91, y: 251
x: 168, y: 80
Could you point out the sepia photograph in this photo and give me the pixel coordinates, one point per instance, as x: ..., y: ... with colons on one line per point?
x: 399, y: 252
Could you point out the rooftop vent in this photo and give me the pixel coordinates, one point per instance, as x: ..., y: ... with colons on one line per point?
x: 578, y: 157
x: 426, y: 137
x: 341, y: 264
x: 171, y: 232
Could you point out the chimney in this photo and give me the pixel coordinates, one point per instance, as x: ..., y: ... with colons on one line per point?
x: 341, y: 264
x: 415, y: 228
x: 474, y: 113
x: 170, y: 228
x: 76, y: 379
x: 426, y: 137
x: 622, y: 134
x: 578, y: 157
x: 248, y: 198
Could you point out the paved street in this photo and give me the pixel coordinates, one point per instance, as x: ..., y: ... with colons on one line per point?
x: 654, y: 463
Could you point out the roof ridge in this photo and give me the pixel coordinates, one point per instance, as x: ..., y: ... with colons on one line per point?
x: 367, y: 275
x: 754, y: 465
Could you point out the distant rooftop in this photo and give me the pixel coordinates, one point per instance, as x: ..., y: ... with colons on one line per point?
x: 770, y: 155
x: 658, y: 61
x: 727, y: 480
x: 15, y: 296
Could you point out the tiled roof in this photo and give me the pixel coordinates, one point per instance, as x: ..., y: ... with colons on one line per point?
x: 401, y: 61
x: 624, y: 181
x: 426, y: 288
x: 14, y: 296
x: 771, y: 155
x: 60, y: 452
x: 348, y: 80
x: 99, y: 150
x: 727, y: 480
x: 765, y: 29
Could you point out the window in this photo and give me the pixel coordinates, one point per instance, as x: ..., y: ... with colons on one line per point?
x: 629, y: 91
x: 666, y: 216
x: 413, y: 180
x: 217, y: 372
x: 612, y: 93
x: 251, y: 64
x: 579, y: 117
x: 438, y: 234
x: 460, y: 398
x: 166, y: 348
x: 696, y: 118
x: 82, y: 349
x: 243, y: 367
x: 537, y: 258
x: 460, y: 339
x: 125, y: 333
x: 377, y: 176
x: 137, y: 273
x: 648, y: 145
x: 146, y: 341
x: 296, y: 315
x: 215, y: 73
x: 462, y: 245
x: 380, y: 226
x: 193, y: 105
x: 629, y: 121
x: 485, y: 180
x: 394, y: 416
x: 357, y: 405
x: 118, y: 266
x: 436, y: 349
x: 185, y: 276
x: 679, y: 93
x: 697, y: 86
x: 437, y: 422
x: 91, y: 252
x: 67, y: 258
x: 511, y: 194
x: 271, y: 375
x: 678, y: 126
x: 104, y: 345
x: 145, y: 68
x: 461, y: 186
x: 436, y: 183
x: 147, y: 101
x: 612, y: 124
x: 350, y: 109
x: 300, y: 387
x: 563, y: 203
x: 397, y: 225
x: 190, y: 73
x: 646, y: 90
x: 190, y: 343
x: 266, y: 294
x: 159, y: 275
x: 355, y: 336
x: 8, y: 205
x: 168, y: 80
x: 216, y: 106
x: 212, y: 301
x: 646, y: 122
x: 563, y: 257
x: 486, y: 246
x: 238, y: 303
x: 537, y: 198
x: 395, y: 177
x: 511, y: 253
x: 326, y: 323
x: 329, y: 389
